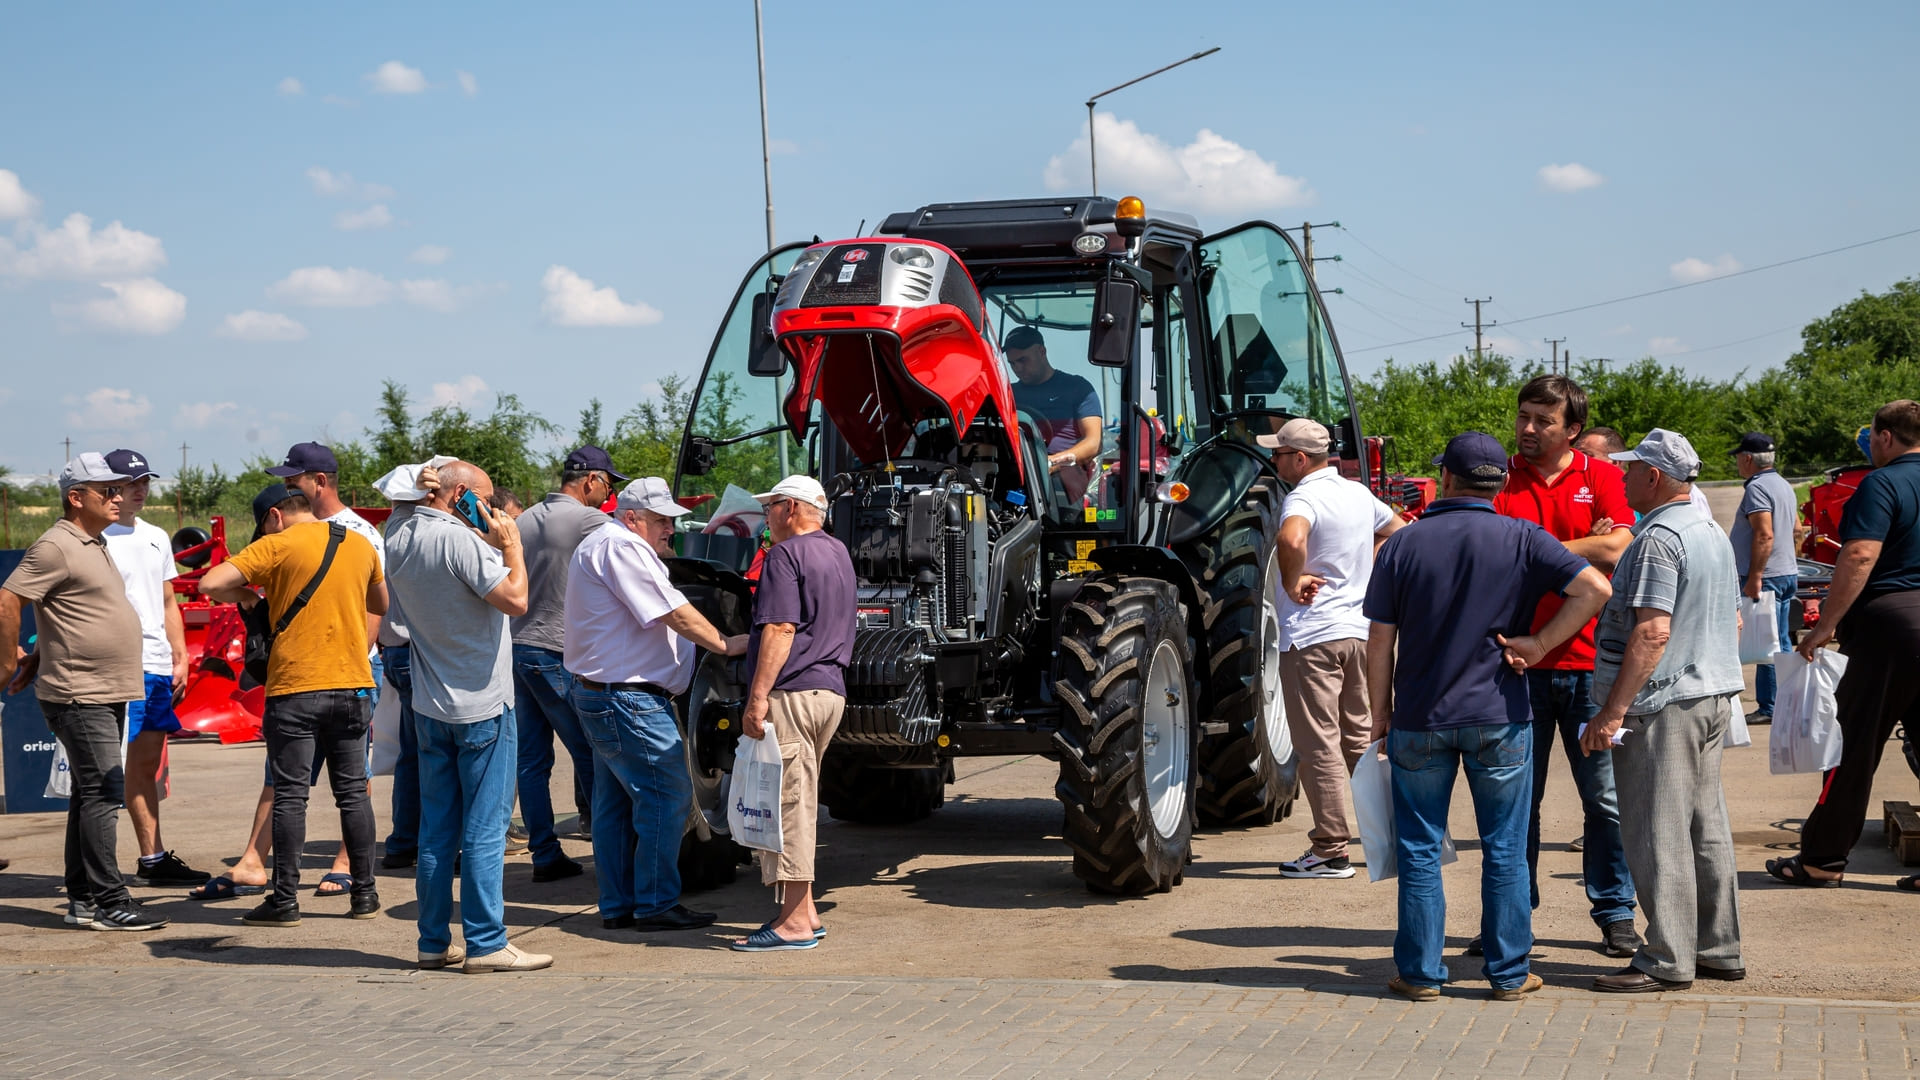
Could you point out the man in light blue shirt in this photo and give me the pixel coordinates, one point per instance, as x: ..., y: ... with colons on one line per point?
x: 1762, y: 537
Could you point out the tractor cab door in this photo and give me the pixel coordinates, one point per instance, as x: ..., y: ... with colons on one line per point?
x: 1271, y: 352
x: 737, y: 441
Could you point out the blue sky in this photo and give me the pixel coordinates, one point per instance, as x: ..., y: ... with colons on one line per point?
x: 283, y: 207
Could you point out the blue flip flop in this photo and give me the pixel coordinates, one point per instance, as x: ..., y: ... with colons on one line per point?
x: 345, y: 881
x: 819, y: 933
x: 223, y: 888
x: 766, y: 940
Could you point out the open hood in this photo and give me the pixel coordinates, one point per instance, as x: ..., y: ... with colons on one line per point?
x: 885, y: 334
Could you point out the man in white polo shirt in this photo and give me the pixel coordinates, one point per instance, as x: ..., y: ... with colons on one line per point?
x: 629, y: 646
x: 1329, y: 529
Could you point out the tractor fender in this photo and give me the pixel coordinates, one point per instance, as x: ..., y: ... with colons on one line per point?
x: 1144, y: 560
x: 1218, y: 474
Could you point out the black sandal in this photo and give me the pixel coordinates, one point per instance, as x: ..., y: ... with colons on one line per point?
x: 1910, y: 883
x: 1793, y: 872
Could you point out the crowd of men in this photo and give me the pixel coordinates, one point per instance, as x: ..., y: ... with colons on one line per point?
x: 500, y: 630
x: 1575, y: 591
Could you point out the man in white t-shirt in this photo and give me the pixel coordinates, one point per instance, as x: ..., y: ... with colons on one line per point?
x: 143, y: 554
x: 1329, y: 529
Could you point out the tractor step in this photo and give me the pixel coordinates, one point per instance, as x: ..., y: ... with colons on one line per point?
x: 1214, y: 727
x: 1903, y: 831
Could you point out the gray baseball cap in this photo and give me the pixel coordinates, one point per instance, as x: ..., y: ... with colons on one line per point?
x: 1668, y: 451
x: 87, y: 468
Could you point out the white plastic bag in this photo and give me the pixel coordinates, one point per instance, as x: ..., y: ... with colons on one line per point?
x: 753, y: 802
x: 60, y: 777
x: 1737, y: 733
x: 1373, y: 815
x: 1759, y: 629
x: 386, y: 729
x: 1806, y: 718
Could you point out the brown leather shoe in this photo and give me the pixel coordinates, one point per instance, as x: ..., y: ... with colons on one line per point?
x: 1515, y: 993
x: 1412, y: 991
x: 1635, y: 981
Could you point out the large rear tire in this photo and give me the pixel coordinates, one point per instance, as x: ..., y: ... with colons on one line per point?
x: 858, y: 791
x: 1128, y: 696
x: 1249, y: 772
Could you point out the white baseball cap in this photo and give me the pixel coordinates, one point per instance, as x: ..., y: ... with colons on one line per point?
x: 1299, y: 433
x: 1668, y: 451
x: 650, y: 493
x: 804, y: 488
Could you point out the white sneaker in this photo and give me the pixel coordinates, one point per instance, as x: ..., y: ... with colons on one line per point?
x: 506, y: 959
x: 1313, y: 866
x: 434, y: 961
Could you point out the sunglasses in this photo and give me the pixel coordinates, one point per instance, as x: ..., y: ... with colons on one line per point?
x: 110, y: 492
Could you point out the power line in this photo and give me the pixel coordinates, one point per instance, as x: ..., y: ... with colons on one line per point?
x: 1351, y: 269
x: 1377, y: 313
x: 1668, y: 289
x: 1395, y: 265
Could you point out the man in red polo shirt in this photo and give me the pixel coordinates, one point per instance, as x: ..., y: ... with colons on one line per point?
x: 1565, y: 492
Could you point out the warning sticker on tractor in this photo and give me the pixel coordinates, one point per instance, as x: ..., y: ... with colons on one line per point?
x: 1093, y: 515
x: 1083, y: 548
x: 1080, y: 566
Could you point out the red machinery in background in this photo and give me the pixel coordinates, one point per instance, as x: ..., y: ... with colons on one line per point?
x: 217, y: 700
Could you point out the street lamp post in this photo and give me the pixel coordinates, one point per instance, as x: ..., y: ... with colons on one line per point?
x: 1093, y: 162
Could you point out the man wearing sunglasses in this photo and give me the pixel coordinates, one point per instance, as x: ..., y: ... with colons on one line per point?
x: 550, y: 532
x: 84, y: 670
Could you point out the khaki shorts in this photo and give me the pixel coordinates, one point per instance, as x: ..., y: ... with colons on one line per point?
x: 804, y: 721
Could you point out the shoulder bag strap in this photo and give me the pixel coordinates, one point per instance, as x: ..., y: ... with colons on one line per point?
x: 336, y: 533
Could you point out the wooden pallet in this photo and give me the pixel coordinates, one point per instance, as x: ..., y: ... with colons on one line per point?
x: 1903, y: 831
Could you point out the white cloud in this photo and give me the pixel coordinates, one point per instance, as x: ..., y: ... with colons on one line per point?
x: 205, y: 414
x: 253, y: 325
x: 1692, y: 269
x: 77, y: 252
x: 291, y: 87
x: 468, y: 84
x: 782, y: 147
x: 394, y: 77
x: 1662, y: 345
x: 108, y: 409
x: 342, y: 185
x: 574, y: 301
x: 1211, y: 174
x: 430, y: 254
x: 376, y: 216
x: 465, y: 392
x: 430, y: 293
x: 140, y: 306
x: 15, y: 200
x: 323, y: 286
x: 1572, y: 176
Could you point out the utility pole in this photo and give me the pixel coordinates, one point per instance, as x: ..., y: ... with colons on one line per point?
x: 1307, y: 256
x: 1479, y: 327
x: 68, y: 443
x: 766, y: 178
x: 1554, y: 364
x: 179, y: 497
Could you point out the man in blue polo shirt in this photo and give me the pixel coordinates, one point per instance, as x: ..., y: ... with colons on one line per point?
x: 1463, y: 583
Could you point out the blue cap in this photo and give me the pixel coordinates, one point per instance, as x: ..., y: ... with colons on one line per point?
x: 593, y: 459
x: 1474, y: 454
x: 129, y: 462
x: 306, y: 457
x: 270, y: 496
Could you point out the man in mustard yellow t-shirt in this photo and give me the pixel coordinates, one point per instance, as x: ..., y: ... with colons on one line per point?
x: 319, y: 684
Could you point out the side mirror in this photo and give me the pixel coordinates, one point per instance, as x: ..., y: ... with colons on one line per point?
x: 1116, y: 323
x: 764, y: 357
x: 698, y: 457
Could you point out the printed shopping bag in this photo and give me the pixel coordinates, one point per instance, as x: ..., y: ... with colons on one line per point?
x: 1759, y: 629
x: 1373, y: 813
x: 1806, y: 718
x: 60, y: 777
x: 753, y: 801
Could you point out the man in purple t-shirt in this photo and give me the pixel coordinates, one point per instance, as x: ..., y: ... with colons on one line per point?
x: 804, y: 612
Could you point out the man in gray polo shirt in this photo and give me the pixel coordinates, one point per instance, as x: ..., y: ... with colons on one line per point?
x: 1666, y: 671
x: 460, y: 584
x: 550, y: 531
x: 87, y: 667
x: 1762, y: 536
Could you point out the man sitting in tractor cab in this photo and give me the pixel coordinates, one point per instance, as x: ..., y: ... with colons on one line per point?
x: 1063, y: 404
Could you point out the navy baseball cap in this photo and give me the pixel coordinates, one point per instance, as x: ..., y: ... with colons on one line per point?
x: 1753, y: 442
x: 306, y: 457
x: 129, y: 462
x: 593, y: 459
x: 1473, y: 454
x: 270, y: 496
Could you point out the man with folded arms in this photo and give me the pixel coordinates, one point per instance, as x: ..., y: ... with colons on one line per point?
x: 630, y: 638
x: 1665, y: 677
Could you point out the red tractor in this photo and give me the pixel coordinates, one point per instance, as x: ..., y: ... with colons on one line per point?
x: 1114, y: 614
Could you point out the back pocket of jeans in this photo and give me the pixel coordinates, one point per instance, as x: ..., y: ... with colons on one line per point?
x: 1508, y: 750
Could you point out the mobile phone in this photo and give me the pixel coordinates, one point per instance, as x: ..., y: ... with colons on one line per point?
x: 468, y: 507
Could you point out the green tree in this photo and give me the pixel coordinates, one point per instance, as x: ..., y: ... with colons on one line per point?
x: 1423, y: 405
x: 1645, y: 395
x: 1872, y: 328
x: 591, y: 419
x: 500, y: 444
x: 1815, y: 413
x: 202, y: 489
x: 646, y: 439
x: 393, y: 440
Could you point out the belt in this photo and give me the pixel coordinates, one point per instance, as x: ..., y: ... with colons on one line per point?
x: 642, y: 687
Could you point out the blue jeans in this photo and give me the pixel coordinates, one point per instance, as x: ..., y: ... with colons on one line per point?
x: 1563, y: 700
x: 466, y: 804
x: 641, y: 797
x: 1782, y: 588
x: 405, y: 837
x: 1497, y: 758
x: 540, y: 685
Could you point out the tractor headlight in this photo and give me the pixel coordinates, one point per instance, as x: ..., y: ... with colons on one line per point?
x: 910, y: 255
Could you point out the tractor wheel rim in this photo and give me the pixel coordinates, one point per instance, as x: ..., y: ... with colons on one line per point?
x: 707, y: 786
x: 1164, y: 737
x: 1273, y: 705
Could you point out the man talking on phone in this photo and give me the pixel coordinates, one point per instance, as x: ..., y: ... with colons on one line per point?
x: 459, y: 569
